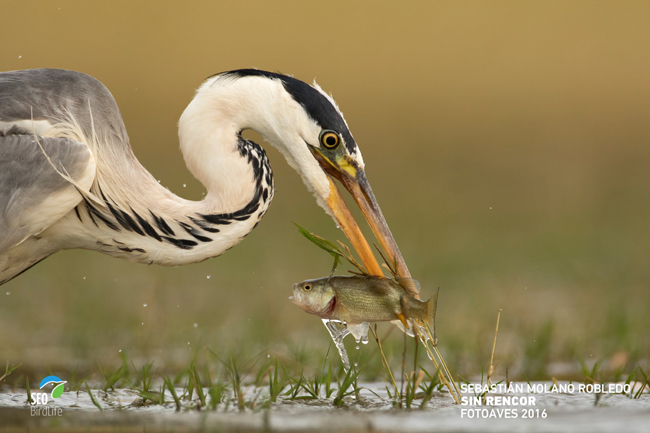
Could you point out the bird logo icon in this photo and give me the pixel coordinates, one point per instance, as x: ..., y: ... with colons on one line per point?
x: 57, y: 391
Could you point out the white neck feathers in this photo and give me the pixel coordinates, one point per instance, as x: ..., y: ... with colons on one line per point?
x: 222, y: 108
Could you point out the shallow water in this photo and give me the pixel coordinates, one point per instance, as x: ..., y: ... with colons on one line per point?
x: 372, y: 411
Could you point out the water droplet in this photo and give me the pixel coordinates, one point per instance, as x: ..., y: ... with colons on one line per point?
x: 490, y: 207
x: 357, y: 346
x: 144, y: 305
x: 84, y: 278
x: 120, y: 350
x: 208, y: 277
x: 358, y: 331
x: 188, y: 342
x: 8, y: 293
x: 268, y: 356
x: 178, y: 306
x: 196, y: 324
x: 143, y: 323
x: 364, y: 339
x: 20, y: 57
x: 184, y: 185
x: 355, y: 364
x: 159, y: 181
x: 338, y: 226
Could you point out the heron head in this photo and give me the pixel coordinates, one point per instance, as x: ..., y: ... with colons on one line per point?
x: 306, y: 125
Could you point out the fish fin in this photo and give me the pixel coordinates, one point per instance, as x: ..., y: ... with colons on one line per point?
x: 404, y: 304
x: 432, y: 306
x: 402, y: 319
x: 411, y: 286
x: 408, y: 332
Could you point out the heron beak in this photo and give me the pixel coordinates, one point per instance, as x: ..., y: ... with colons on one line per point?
x: 360, y: 190
x: 354, y: 179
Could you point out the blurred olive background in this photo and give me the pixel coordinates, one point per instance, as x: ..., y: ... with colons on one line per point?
x: 507, y: 143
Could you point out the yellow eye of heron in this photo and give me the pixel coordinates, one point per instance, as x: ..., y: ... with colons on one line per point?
x: 307, y: 287
x: 330, y: 139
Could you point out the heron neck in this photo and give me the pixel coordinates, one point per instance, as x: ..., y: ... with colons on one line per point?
x: 209, y: 133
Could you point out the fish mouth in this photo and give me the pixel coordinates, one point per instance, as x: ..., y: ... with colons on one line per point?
x: 296, y: 298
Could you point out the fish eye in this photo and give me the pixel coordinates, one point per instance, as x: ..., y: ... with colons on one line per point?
x: 307, y: 287
x: 330, y: 139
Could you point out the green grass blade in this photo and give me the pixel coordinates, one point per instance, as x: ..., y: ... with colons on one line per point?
x: 199, y: 385
x: 216, y: 395
x: 333, y: 249
x: 30, y: 400
x: 172, y: 390
x: 93, y: 399
x: 343, y: 392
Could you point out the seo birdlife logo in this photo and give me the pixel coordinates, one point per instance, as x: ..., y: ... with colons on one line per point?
x: 57, y: 391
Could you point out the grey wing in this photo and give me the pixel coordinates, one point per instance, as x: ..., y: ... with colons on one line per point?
x: 33, y: 195
x: 32, y: 100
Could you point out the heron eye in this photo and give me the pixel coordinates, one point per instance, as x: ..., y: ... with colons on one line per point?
x: 330, y: 139
x: 307, y: 287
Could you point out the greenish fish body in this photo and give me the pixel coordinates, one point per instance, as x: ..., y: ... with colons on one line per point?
x: 359, y: 299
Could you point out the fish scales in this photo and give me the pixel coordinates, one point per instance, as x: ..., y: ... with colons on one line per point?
x: 359, y: 299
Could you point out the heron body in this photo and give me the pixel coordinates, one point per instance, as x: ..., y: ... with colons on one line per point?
x: 69, y: 179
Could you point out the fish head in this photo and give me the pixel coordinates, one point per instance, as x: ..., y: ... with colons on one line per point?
x: 315, y: 297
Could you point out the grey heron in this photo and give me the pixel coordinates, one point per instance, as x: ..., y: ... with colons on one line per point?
x: 69, y: 179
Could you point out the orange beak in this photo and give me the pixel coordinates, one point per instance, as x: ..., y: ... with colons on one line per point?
x: 354, y: 180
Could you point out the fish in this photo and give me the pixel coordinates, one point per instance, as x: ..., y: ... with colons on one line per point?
x: 358, y: 299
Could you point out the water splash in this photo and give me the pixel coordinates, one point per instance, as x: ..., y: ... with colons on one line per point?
x: 338, y: 331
